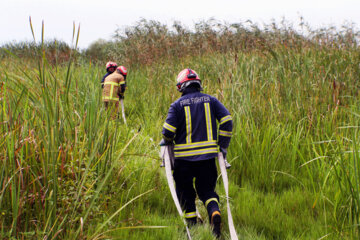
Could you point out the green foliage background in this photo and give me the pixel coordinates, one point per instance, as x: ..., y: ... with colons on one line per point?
x: 68, y: 172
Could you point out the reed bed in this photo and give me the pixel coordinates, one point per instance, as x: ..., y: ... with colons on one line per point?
x: 69, y: 172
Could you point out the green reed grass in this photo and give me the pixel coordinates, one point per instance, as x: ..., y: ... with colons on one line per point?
x: 285, y: 130
x: 68, y: 172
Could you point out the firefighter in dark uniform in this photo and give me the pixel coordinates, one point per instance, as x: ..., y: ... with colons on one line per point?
x: 191, y: 125
x: 110, y: 68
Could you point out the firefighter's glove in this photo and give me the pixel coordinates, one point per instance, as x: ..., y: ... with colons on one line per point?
x: 223, y: 151
x: 164, y: 142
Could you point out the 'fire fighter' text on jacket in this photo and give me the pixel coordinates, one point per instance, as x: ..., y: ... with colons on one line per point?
x: 191, y: 122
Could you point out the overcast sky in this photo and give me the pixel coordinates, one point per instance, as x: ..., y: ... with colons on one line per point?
x: 100, y: 18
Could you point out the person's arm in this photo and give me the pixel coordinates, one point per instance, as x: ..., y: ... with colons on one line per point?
x: 226, y: 125
x: 170, y: 125
x: 102, y: 80
x: 121, y: 89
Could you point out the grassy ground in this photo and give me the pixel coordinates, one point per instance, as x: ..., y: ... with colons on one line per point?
x: 68, y: 172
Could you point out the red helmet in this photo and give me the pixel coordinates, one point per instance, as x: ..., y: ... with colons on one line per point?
x: 122, y: 70
x: 111, y: 65
x: 186, y: 77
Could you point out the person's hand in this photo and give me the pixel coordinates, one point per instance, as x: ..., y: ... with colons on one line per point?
x: 164, y: 142
x: 224, y: 152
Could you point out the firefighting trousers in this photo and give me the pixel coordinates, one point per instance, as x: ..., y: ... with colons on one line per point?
x: 112, y: 109
x: 205, y: 175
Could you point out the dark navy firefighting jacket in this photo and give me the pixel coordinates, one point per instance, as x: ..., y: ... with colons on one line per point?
x: 191, y: 122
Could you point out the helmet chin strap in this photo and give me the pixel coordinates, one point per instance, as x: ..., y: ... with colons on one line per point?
x: 187, y: 83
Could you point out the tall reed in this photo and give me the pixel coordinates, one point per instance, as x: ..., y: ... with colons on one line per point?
x: 67, y: 172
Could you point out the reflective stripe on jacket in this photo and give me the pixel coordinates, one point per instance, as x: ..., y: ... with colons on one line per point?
x: 191, y: 122
x: 112, y: 89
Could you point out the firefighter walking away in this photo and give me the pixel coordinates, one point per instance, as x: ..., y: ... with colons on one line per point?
x: 114, y: 89
x: 191, y: 126
x: 110, y: 68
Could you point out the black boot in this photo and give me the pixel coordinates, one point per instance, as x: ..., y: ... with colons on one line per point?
x: 215, y: 223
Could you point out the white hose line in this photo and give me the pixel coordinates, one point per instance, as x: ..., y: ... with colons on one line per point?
x: 232, y: 230
x: 123, y: 110
x: 170, y: 180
